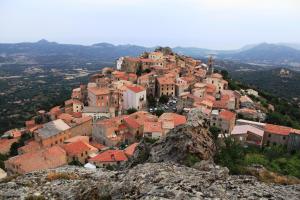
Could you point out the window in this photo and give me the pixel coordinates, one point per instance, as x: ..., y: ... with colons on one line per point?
x: 283, y: 138
x: 269, y: 135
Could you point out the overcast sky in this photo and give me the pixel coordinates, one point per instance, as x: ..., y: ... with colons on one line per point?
x: 215, y: 24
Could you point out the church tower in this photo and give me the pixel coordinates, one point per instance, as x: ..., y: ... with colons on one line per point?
x: 210, y: 64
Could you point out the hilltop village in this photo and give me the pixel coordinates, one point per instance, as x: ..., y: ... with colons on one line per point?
x: 141, y: 98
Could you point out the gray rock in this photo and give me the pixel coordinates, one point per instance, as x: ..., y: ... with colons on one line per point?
x: 147, y: 181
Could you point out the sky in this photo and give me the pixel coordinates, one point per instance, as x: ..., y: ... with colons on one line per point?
x: 214, y: 24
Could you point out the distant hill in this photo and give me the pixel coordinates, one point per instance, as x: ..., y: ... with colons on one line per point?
x: 280, y: 82
x: 292, y: 45
x: 44, y: 52
x: 52, y: 53
x: 267, y: 54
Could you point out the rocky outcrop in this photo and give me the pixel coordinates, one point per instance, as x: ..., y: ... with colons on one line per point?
x: 147, y: 181
x: 182, y: 143
x: 191, y: 141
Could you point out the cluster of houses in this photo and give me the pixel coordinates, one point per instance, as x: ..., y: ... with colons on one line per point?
x: 94, y: 127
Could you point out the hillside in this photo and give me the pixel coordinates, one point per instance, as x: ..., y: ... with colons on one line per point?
x: 273, y: 81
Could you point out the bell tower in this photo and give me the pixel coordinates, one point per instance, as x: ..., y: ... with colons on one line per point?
x: 210, y: 64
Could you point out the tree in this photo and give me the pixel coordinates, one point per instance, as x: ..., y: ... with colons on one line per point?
x: 164, y: 50
x: 215, y: 131
x: 159, y: 112
x: 2, y: 159
x: 14, y: 148
x: 163, y: 99
x: 139, y: 70
x: 147, y: 71
x: 231, y: 155
x: 225, y: 74
x: 38, y: 119
x: 151, y: 100
x: 21, y: 142
x: 131, y: 110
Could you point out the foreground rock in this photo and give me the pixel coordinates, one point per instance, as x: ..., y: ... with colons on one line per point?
x: 146, y: 181
x: 181, y: 143
x: 184, y: 144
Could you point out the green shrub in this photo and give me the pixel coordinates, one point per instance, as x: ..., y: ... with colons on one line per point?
x: 191, y: 159
x: 255, y: 158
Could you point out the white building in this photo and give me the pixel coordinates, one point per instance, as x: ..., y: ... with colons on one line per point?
x: 134, y: 97
x: 119, y: 63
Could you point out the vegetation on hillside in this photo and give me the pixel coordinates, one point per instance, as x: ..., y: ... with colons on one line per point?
x: 287, y: 113
x: 273, y: 158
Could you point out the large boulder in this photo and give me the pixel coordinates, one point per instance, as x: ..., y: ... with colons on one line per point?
x: 183, y: 143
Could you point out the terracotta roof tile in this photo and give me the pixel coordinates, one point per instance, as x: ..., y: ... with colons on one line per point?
x: 280, y: 130
x: 110, y: 156
x: 150, y: 127
x: 76, y: 148
x: 136, y: 88
x: 227, y: 115
x: 129, y: 151
x: 176, y: 118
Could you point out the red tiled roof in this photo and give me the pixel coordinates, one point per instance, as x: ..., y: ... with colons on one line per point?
x: 98, y: 145
x: 69, y: 102
x: 30, y: 147
x: 65, y: 117
x: 129, y: 151
x: 148, y: 60
x: 55, y: 110
x: 150, y: 127
x: 280, y: 130
x: 165, y: 81
x: 176, y: 118
x: 122, y: 127
x: 110, y: 156
x: 131, y: 123
x: 131, y: 59
x: 77, y: 114
x: 48, y: 158
x: 98, y: 91
x: 222, y: 104
x: 136, y: 88
x: 216, y: 75
x: 76, y: 148
x: 227, y: 115
x: 5, y: 145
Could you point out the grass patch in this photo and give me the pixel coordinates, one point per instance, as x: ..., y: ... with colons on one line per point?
x: 191, y: 159
x: 9, y: 178
x: 61, y: 176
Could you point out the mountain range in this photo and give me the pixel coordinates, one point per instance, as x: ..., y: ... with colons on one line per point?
x: 44, y: 52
